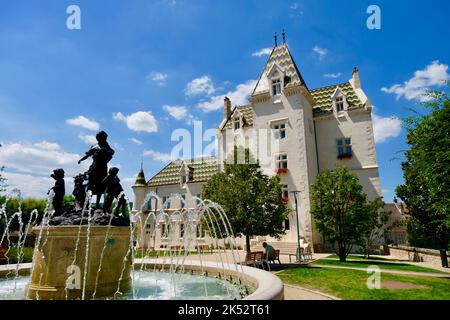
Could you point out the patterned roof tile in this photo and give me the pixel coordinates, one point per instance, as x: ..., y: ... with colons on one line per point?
x: 324, y: 103
x: 246, y: 112
x: 203, y: 169
x: 280, y: 55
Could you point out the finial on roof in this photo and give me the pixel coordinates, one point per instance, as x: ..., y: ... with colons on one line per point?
x: 275, y: 37
x: 284, y: 37
x: 142, y: 164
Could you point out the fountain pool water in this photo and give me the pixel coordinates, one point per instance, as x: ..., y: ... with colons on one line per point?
x: 161, y: 256
x: 149, y: 285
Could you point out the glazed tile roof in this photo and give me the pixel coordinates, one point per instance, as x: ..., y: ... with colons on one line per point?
x: 280, y: 55
x: 246, y: 112
x: 324, y: 103
x: 204, y: 168
x: 140, y: 179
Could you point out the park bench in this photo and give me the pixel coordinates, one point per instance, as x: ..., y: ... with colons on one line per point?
x: 274, y: 256
x: 256, y: 259
x: 203, y: 247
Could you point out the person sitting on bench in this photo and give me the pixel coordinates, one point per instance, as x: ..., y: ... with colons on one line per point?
x: 269, y: 251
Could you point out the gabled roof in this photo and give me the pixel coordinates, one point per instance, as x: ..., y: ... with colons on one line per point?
x: 203, y: 169
x: 245, y: 111
x: 323, y: 99
x: 281, y: 56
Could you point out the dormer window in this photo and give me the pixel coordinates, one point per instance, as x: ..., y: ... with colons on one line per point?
x: 339, y: 104
x: 237, y: 123
x: 276, y: 86
x: 275, y: 81
x: 183, y: 176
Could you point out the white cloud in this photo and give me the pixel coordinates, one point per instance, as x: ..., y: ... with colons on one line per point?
x: 385, y: 127
x: 171, y: 3
x: 36, y: 160
x: 295, y: 6
x: 82, y: 121
x: 321, y: 52
x: 138, y: 121
x: 202, y: 85
x: 157, y: 77
x: 332, y: 75
x: 47, y: 145
x: 238, y: 97
x: 30, y: 186
x: 137, y: 141
x: 155, y: 155
x: 262, y: 52
x: 88, y: 139
x: 435, y: 74
x: 177, y: 112
x: 28, y: 167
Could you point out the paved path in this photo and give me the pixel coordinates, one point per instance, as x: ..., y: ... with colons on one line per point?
x: 391, y: 259
x: 298, y: 293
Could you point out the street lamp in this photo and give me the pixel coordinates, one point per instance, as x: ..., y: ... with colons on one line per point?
x: 298, y: 224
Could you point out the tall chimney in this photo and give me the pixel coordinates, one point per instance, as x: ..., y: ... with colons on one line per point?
x: 226, y: 108
x: 356, y: 81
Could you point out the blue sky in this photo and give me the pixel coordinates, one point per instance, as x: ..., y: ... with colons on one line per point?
x: 141, y: 69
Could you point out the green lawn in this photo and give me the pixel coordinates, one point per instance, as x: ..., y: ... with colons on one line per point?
x: 351, y: 284
x: 382, y: 264
x: 12, y: 255
x: 361, y: 257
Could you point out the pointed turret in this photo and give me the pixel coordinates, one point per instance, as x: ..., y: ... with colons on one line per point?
x: 281, y: 60
x: 140, y: 190
x: 140, y: 179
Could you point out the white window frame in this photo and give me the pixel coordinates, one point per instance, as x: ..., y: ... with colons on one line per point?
x: 344, y: 145
x: 277, y: 86
x: 278, y: 129
x: 340, y: 103
x: 275, y: 82
x: 237, y: 123
x: 281, y: 158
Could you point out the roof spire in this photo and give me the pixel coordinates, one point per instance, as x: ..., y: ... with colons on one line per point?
x: 284, y: 37
x: 275, y: 37
x: 140, y: 179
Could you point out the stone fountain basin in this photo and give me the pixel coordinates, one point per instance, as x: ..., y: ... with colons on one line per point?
x: 267, y: 286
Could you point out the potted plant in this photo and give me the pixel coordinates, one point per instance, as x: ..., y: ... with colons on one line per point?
x: 281, y: 170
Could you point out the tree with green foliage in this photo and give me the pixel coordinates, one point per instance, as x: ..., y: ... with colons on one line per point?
x: 376, y: 224
x: 27, y: 206
x: 341, y: 211
x: 426, y: 172
x: 251, y: 199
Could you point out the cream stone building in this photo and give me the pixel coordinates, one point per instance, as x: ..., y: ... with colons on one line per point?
x: 310, y: 131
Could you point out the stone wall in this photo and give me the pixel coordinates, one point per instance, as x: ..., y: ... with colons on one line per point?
x: 416, y: 254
